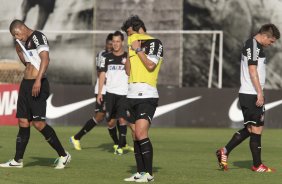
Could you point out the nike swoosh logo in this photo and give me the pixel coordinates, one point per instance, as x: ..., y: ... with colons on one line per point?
x: 170, y: 107
x: 56, y: 112
x: 236, y: 115
x: 66, y: 160
x: 13, y: 165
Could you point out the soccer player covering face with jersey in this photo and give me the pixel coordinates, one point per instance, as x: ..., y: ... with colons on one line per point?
x: 33, y: 50
x: 99, y: 108
x: 251, y: 97
x: 145, y: 58
x: 112, y: 69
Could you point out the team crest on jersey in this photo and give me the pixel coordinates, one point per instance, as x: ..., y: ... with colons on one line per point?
x: 123, y: 61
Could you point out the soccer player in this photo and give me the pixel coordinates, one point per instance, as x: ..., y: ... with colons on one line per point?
x: 113, y: 70
x: 34, y: 91
x: 145, y: 58
x: 251, y: 97
x: 99, y: 108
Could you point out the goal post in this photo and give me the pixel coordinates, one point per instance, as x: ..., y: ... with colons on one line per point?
x: 215, y: 35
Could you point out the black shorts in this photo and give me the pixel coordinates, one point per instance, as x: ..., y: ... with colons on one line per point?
x: 253, y: 115
x: 143, y: 108
x: 100, y: 107
x: 115, y: 106
x: 29, y: 107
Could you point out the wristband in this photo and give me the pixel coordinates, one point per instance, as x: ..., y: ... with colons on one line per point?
x: 138, y: 50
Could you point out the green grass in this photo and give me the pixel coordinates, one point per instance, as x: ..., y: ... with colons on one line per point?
x: 181, y: 155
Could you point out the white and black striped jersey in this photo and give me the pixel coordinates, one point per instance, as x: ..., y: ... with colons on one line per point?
x: 99, y: 56
x: 252, y: 54
x: 36, y: 43
x: 117, y: 79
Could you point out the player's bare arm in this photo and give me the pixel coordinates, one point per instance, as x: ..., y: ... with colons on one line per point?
x: 102, y: 78
x: 255, y: 80
x: 44, y: 56
x: 150, y: 65
x: 127, y: 66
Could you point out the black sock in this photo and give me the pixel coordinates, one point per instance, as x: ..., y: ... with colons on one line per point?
x: 147, y: 154
x: 118, y: 128
x: 138, y: 157
x: 255, y: 146
x: 86, y: 128
x: 122, y: 135
x: 237, y: 138
x: 51, y: 137
x: 21, y: 142
x: 113, y: 134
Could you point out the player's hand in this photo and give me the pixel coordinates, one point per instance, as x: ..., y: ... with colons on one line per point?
x: 36, y: 88
x: 99, y: 98
x: 260, y: 100
x: 136, y: 44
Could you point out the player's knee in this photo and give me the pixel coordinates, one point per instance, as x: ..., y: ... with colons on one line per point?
x: 140, y: 134
x: 257, y: 131
x: 122, y: 121
x: 97, y: 120
x: 99, y: 117
x: 111, y: 124
x: 39, y: 125
x: 23, y: 123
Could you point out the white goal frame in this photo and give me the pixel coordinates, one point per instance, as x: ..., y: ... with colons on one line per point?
x: 214, y: 34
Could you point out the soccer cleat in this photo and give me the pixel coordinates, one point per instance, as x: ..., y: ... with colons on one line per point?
x: 145, y: 178
x: 115, y: 147
x: 118, y: 151
x: 12, y: 163
x: 75, y: 143
x: 61, y: 162
x: 128, y: 148
x: 262, y: 168
x: 134, y: 177
x: 222, y: 159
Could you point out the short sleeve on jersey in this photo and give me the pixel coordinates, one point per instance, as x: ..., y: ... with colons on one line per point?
x: 98, y: 59
x: 252, y: 52
x: 40, y: 41
x: 154, y: 51
x: 102, y: 64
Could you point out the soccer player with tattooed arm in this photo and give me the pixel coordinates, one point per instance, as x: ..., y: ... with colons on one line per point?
x: 145, y: 59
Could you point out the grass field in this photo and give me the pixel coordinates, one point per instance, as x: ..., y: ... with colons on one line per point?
x: 181, y: 155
